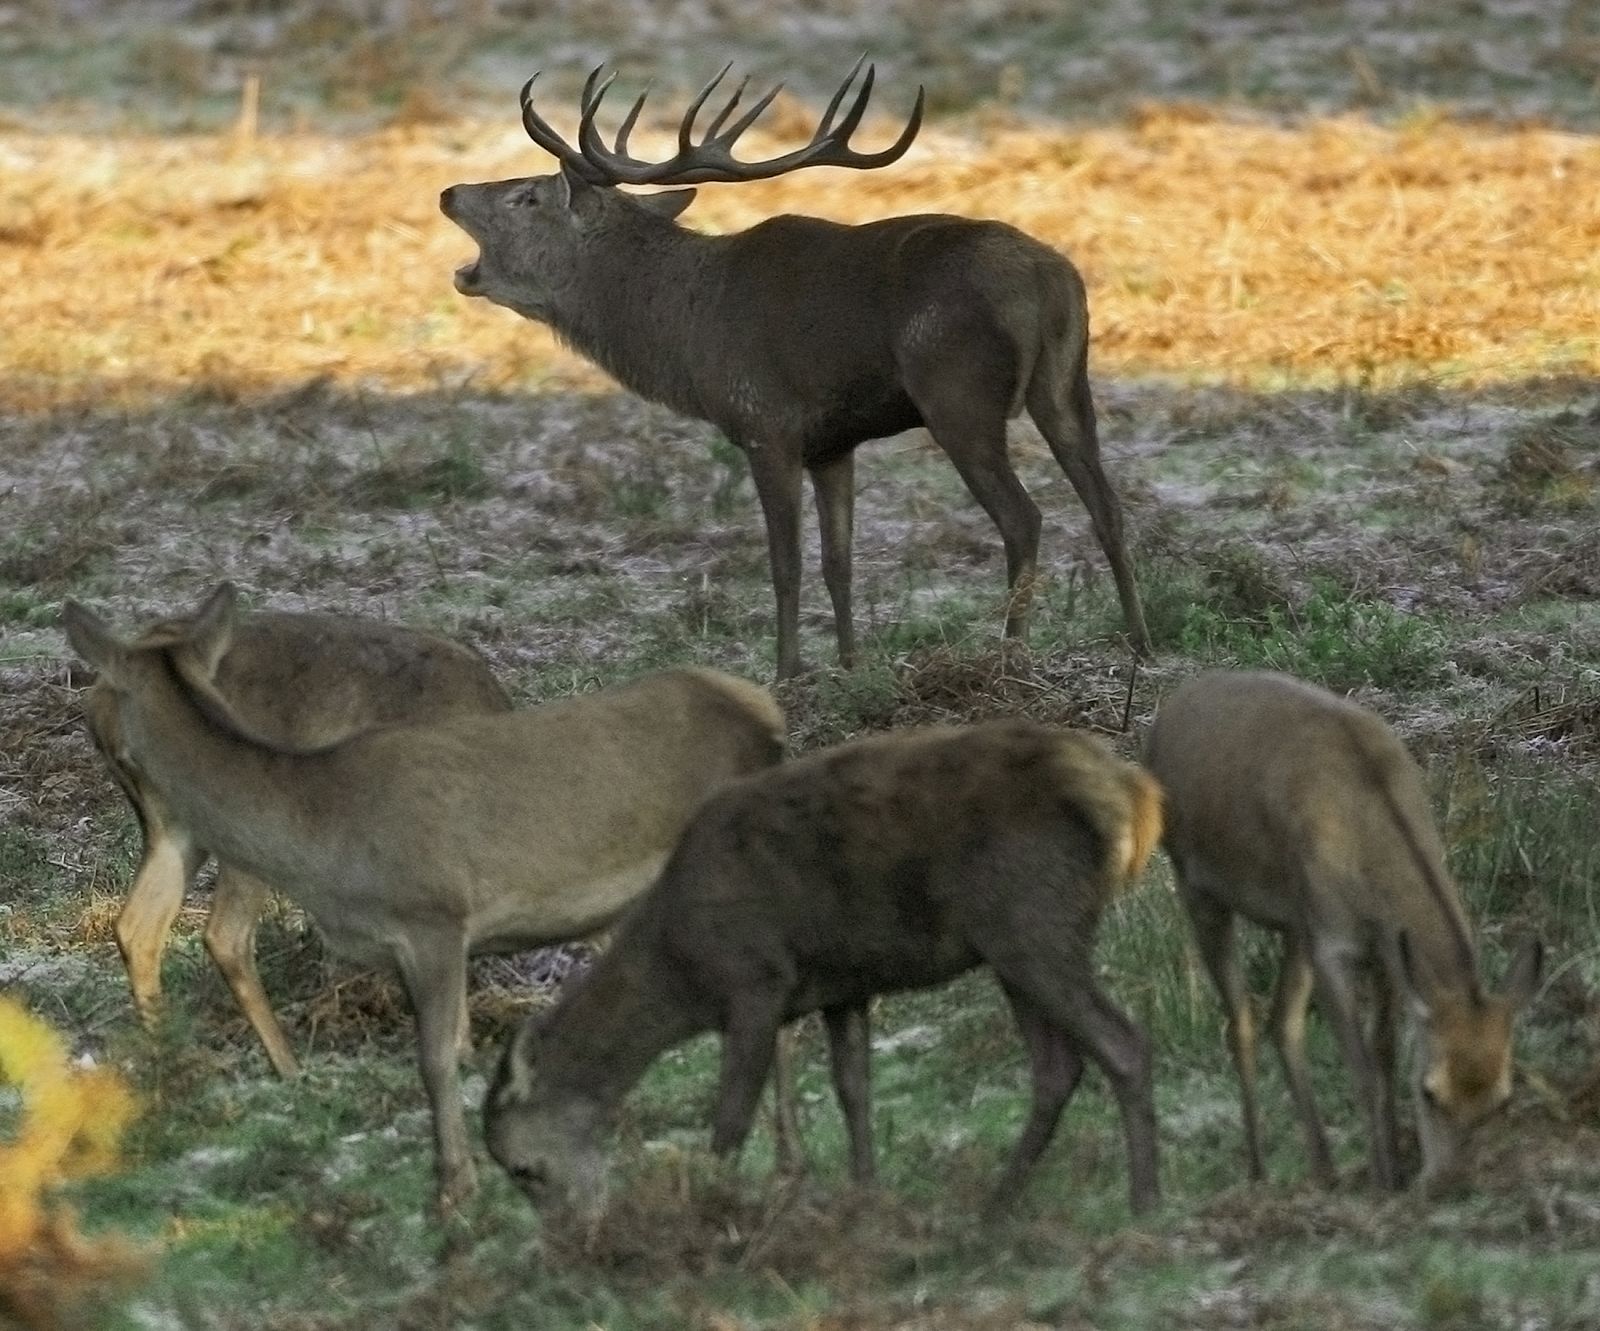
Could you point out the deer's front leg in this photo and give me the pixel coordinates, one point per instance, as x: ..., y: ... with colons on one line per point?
x: 835, y: 486
x: 165, y: 870
x: 776, y: 470
x: 435, y: 975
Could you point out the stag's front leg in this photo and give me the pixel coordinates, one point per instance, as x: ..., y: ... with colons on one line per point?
x: 435, y: 975
x: 849, y: 1058
x: 834, y: 484
x: 776, y: 469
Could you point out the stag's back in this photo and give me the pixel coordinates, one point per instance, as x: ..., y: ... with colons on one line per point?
x: 1291, y: 800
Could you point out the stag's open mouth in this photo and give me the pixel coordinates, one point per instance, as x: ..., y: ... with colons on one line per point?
x: 469, y: 280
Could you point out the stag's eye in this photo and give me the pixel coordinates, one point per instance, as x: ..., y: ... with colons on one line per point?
x: 526, y: 197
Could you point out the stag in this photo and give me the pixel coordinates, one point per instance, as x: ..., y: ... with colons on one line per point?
x: 1304, y: 813
x: 801, y: 338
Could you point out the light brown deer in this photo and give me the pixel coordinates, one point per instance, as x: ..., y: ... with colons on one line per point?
x: 303, y: 680
x: 895, y: 862
x: 802, y: 338
x: 412, y: 846
x: 1303, y: 812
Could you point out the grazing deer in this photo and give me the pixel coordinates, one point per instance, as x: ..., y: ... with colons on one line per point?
x: 304, y: 680
x: 1304, y: 813
x: 411, y: 846
x: 895, y: 862
x: 801, y: 338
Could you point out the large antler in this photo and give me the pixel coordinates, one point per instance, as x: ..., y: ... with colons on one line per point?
x: 711, y: 158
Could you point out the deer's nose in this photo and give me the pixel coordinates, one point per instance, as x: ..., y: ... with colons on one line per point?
x: 446, y: 198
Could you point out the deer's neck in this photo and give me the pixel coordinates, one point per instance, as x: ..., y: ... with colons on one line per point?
x: 250, y: 802
x: 639, y: 311
x: 620, y: 1017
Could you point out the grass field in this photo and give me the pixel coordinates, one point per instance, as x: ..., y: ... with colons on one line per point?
x: 1344, y: 268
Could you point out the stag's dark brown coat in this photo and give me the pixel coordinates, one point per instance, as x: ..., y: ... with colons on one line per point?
x: 802, y: 338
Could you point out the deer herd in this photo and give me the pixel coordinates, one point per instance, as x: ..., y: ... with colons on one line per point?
x: 380, y: 778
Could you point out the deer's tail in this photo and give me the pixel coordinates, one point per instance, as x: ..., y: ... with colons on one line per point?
x: 1120, y: 799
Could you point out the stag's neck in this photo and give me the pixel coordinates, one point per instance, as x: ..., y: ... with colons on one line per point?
x: 619, y: 1019
x: 640, y: 312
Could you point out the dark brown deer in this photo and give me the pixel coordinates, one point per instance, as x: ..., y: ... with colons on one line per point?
x: 891, y: 863
x: 412, y: 846
x: 298, y: 679
x: 1303, y: 812
x: 801, y: 338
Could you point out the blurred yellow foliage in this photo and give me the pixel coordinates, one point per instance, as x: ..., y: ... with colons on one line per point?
x: 72, y: 1119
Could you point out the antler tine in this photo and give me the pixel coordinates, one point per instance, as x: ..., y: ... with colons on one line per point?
x: 629, y: 121
x: 727, y: 110
x: 686, y: 125
x: 826, y: 123
x: 841, y: 132
x: 540, y: 131
x: 748, y: 118
x: 711, y: 158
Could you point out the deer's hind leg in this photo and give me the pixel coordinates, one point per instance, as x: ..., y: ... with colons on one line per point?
x: 1062, y: 407
x: 963, y: 402
x: 1057, y: 1067
x: 1213, y: 924
x: 236, y: 908
x: 1288, y: 1026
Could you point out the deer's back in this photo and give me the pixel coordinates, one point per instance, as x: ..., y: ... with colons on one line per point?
x: 309, y: 679
x: 540, y: 825
x: 865, y: 867
x: 824, y: 322
x: 1276, y: 789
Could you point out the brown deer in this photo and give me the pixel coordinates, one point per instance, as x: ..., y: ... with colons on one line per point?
x: 891, y: 863
x: 303, y: 680
x: 413, y: 845
x: 1303, y: 812
x: 801, y: 338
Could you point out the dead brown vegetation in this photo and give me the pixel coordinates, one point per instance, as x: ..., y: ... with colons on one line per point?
x: 1339, y: 251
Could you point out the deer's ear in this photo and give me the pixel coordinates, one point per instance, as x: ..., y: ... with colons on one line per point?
x: 570, y: 187
x: 91, y: 637
x: 666, y: 203
x: 211, y: 634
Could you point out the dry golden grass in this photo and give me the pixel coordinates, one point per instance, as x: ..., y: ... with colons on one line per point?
x: 1340, y: 251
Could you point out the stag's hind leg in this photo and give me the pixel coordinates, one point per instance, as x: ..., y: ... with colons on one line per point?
x: 231, y: 939
x: 1062, y: 407
x: 963, y: 404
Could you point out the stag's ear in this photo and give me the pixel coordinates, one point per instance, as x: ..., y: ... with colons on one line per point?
x: 91, y: 637
x: 666, y: 203
x: 570, y: 187
x: 211, y: 634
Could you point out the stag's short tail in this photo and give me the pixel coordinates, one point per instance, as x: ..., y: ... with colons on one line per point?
x: 1121, y: 800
